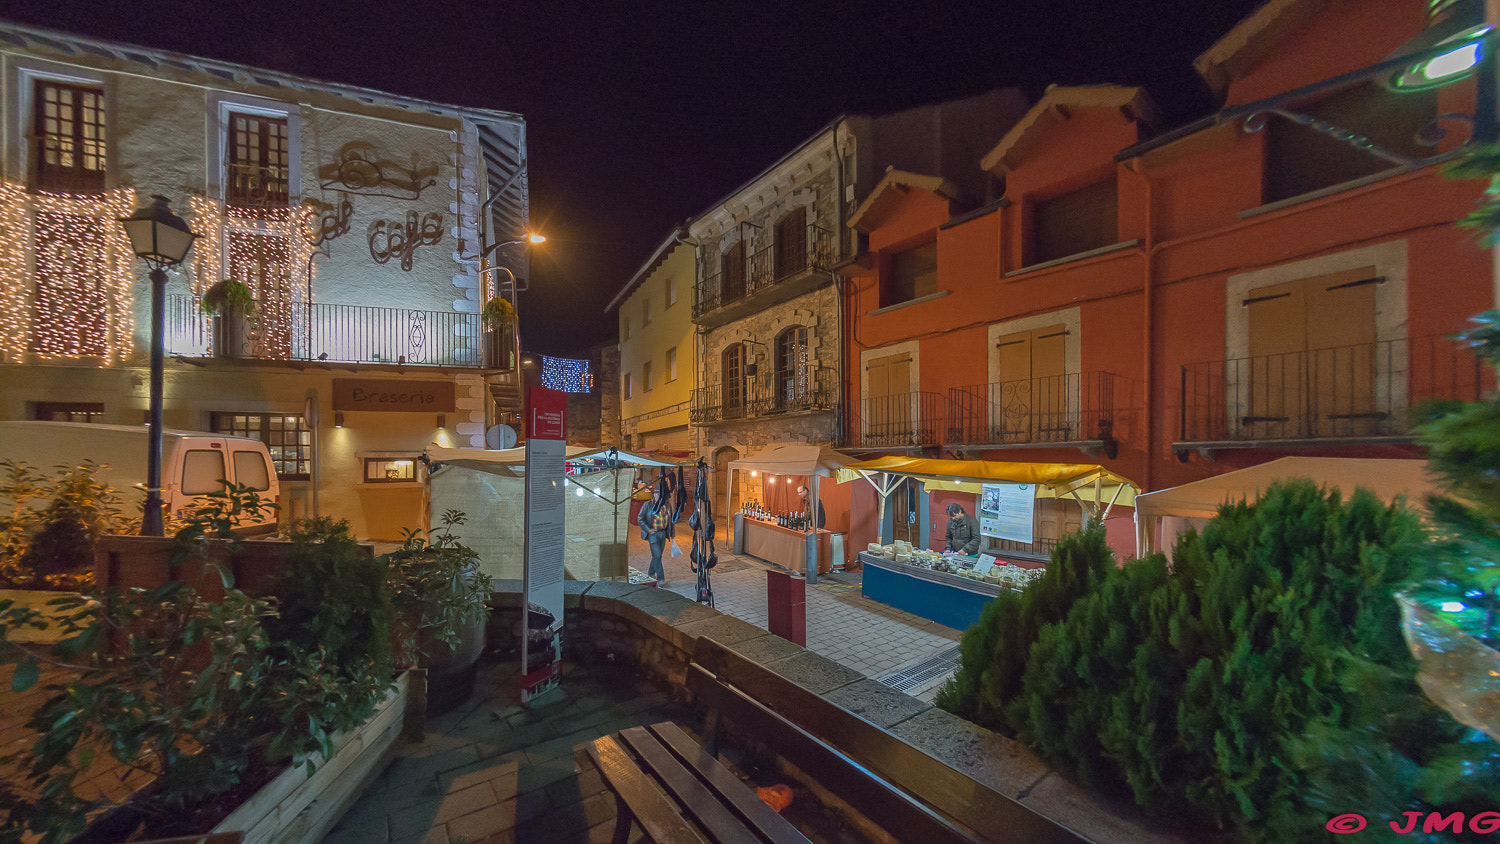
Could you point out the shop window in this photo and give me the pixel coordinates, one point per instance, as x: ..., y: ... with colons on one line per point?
x: 672, y: 364
x: 67, y: 411
x: 203, y: 471
x: 1075, y: 222
x: 791, y: 243
x: 68, y: 125
x: 911, y: 275
x: 287, y: 437
x: 259, y: 165
x: 1300, y: 159
x: 791, y: 365
x: 390, y: 470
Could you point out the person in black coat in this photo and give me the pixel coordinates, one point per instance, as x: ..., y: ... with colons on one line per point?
x: 963, y: 531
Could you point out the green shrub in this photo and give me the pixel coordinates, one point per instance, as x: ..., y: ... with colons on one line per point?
x: 1264, y: 685
x: 47, y: 536
x: 993, y: 653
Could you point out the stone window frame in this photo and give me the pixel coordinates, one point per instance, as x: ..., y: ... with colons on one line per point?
x: 23, y: 74
x: 220, y: 105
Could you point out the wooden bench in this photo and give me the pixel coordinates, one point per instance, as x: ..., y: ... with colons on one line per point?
x: 678, y: 791
x: 663, y: 780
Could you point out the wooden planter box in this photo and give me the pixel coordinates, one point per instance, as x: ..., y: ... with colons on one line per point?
x: 294, y: 808
x: 35, y: 599
x: 145, y: 561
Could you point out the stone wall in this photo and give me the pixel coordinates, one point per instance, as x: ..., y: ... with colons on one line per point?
x: 607, y: 382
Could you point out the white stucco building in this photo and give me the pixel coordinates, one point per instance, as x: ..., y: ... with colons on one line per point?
x: 357, y: 219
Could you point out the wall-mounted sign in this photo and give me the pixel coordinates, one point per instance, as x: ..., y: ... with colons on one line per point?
x: 393, y: 395
x: 1005, y: 511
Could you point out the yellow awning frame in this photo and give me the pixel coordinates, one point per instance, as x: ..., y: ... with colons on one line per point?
x: 1091, y: 485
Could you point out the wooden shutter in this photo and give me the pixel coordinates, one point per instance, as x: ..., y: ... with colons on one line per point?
x: 1341, y: 351
x: 1032, y: 393
x: 1075, y: 222
x: 1056, y: 518
x: 733, y: 278
x: 791, y: 243
x: 889, y: 401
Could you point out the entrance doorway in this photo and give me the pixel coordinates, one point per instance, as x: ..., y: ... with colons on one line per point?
x: 722, y: 458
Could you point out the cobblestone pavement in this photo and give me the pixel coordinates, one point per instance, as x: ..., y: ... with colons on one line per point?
x: 842, y: 624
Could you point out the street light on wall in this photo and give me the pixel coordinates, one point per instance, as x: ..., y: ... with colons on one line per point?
x: 162, y: 240
x: 1448, y: 50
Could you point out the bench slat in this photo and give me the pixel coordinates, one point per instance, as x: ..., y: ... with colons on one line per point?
x: 729, y: 788
x: 635, y: 790
x: 883, y: 803
x: 715, y: 817
x: 993, y: 815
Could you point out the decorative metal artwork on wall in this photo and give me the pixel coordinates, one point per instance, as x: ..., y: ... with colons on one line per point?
x: 329, y: 221
x: 359, y: 169
x: 394, y: 238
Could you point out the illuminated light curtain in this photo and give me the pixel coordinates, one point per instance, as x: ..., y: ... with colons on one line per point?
x: 566, y: 374
x: 80, y: 295
x: 15, y: 285
x: 223, y: 241
x: 261, y: 262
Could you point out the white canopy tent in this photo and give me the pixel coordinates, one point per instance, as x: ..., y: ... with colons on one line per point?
x: 814, y: 461
x: 489, y: 486
x: 1161, y: 515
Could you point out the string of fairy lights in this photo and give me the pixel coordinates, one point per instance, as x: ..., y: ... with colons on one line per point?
x: 78, y: 305
x: 566, y: 375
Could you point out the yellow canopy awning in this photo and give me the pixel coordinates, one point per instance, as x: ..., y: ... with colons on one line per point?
x: 1090, y: 483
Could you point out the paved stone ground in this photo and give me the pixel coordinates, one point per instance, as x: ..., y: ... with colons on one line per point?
x: 843, y: 625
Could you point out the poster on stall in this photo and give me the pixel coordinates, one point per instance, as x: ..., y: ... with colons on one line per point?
x: 1005, y: 511
x: 541, y: 638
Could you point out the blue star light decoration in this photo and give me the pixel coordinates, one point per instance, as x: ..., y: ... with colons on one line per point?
x: 566, y: 375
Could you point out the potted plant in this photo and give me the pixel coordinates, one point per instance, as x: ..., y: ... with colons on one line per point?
x: 442, y: 603
x: 499, y: 319
x: 231, y: 303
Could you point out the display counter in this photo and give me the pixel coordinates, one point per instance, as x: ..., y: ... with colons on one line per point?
x: 951, y: 600
x: 783, y: 546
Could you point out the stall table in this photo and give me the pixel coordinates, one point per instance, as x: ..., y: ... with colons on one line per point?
x: 951, y: 600
x: 783, y: 546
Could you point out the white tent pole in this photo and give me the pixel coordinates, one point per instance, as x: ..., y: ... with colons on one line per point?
x: 812, y: 536
x: 728, y: 516
x: 1113, y: 499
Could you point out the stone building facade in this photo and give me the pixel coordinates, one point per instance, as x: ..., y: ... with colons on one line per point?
x: 356, y: 219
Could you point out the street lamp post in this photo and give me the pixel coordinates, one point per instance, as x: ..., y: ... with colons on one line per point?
x: 162, y: 239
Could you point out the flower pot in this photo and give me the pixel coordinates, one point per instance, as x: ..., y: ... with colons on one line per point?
x: 451, y: 670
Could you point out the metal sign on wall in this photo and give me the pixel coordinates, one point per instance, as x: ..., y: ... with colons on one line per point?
x: 390, y: 394
x: 541, y: 642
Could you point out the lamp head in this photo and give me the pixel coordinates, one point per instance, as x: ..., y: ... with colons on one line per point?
x: 1449, y: 48
x: 533, y: 237
x: 158, y: 235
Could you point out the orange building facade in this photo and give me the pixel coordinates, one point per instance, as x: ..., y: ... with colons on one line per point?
x: 1174, y: 306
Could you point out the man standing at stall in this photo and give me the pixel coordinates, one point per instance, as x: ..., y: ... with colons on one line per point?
x: 963, y: 531
x: 813, y: 511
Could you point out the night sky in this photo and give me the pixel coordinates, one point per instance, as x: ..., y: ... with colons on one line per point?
x: 641, y: 115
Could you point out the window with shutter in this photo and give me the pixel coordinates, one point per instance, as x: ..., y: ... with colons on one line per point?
x: 791, y: 243
x: 1034, y: 398
x: 1075, y: 222
x: 68, y: 126
x: 734, y: 380
x: 888, y: 408
x: 259, y: 161
x: 1300, y: 159
x: 912, y: 274
x: 733, y: 274
x: 791, y: 366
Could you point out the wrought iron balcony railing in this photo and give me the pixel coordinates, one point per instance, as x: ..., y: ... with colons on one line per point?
x: 1060, y: 408
x: 908, y: 420
x: 765, y: 268
x: 337, y: 333
x: 1040, y: 547
x: 808, y: 389
x: 256, y: 186
x: 1343, y: 392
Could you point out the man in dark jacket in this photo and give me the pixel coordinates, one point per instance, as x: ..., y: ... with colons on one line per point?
x: 963, y: 531
x: 655, y: 516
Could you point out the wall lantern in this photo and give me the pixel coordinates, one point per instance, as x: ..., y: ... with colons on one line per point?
x: 442, y: 420
x: 338, y: 419
x: 1458, y: 24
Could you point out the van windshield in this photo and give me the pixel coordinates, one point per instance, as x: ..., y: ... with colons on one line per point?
x: 202, y: 472
x: 250, y: 470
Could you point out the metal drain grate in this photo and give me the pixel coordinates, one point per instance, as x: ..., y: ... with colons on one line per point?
x: 924, y: 671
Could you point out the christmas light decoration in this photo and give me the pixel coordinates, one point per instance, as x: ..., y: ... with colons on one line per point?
x: 77, y: 303
x: 566, y: 374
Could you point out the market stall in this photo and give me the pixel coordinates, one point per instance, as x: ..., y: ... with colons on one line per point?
x: 488, y: 486
x: 776, y: 527
x: 1161, y: 515
x: 953, y: 588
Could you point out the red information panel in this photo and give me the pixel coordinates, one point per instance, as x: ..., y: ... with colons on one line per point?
x: 546, y: 414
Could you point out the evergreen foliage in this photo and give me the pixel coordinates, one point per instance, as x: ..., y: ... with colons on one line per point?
x: 1260, y: 685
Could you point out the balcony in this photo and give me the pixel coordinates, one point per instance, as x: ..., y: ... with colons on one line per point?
x: 771, y: 275
x: 1346, y: 395
x: 905, y: 421
x: 1075, y: 410
x: 319, y: 332
x: 813, y: 389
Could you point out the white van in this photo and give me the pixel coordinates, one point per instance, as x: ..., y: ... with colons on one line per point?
x: 192, y: 462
